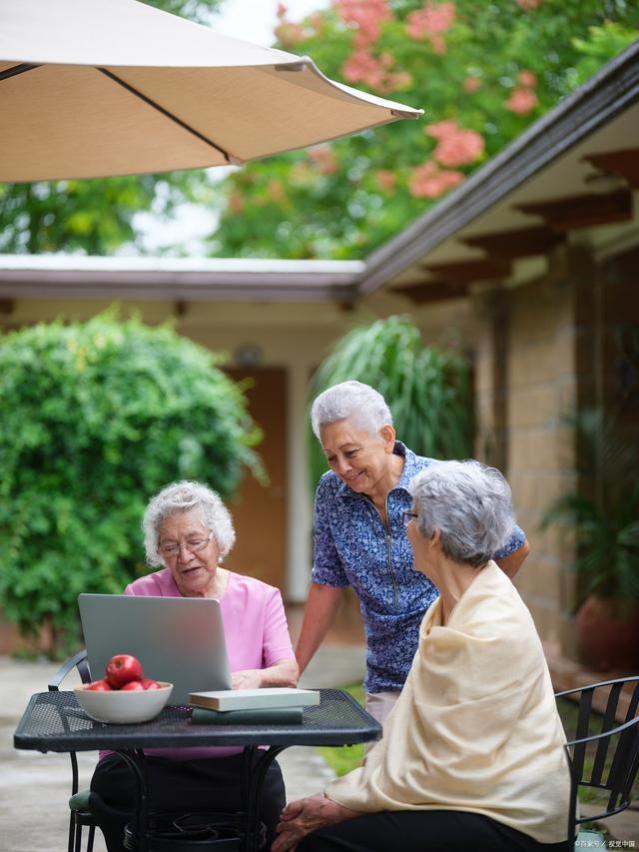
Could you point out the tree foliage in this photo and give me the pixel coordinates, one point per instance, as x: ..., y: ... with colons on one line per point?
x: 94, y: 419
x: 482, y: 71
x: 96, y: 216
x: 427, y: 389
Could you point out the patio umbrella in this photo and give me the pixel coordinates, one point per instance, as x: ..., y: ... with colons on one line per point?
x: 91, y: 88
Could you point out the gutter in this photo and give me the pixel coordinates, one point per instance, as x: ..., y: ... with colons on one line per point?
x: 64, y: 276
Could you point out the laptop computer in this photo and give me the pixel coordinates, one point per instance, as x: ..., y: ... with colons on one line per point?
x: 180, y: 640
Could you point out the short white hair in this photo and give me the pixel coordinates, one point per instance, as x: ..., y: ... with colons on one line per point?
x: 471, y: 506
x: 351, y: 399
x: 183, y: 497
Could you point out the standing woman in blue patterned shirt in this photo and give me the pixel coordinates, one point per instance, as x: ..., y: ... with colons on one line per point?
x: 361, y: 506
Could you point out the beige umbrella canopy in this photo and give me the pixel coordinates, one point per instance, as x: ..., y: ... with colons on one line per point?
x: 91, y: 88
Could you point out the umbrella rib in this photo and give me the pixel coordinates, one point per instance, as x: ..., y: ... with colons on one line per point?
x: 16, y: 69
x: 21, y: 69
x: 170, y: 115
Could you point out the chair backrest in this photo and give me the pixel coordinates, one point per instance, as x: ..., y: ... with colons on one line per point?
x: 77, y: 661
x: 604, y: 752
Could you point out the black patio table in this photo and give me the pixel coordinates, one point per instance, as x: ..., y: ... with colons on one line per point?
x: 53, y: 721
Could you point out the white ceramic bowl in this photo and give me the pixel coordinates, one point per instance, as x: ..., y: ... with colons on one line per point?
x: 121, y: 708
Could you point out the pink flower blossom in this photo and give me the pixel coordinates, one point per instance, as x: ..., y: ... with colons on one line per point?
x: 522, y: 101
x: 399, y: 80
x: 456, y: 146
x: 529, y: 5
x: 324, y: 158
x: 430, y: 23
x: 429, y: 181
x: 366, y: 16
x: 472, y: 83
x: 275, y: 191
x: 363, y: 67
x: 236, y: 203
x: 527, y: 78
x: 386, y: 179
x: 282, y: 9
x: 289, y: 34
x: 318, y: 23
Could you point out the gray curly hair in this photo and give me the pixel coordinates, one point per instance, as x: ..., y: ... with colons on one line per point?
x: 351, y: 399
x: 469, y: 503
x: 182, y: 497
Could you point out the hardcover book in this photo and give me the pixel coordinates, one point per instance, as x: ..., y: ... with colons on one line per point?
x: 257, y: 699
x: 264, y: 716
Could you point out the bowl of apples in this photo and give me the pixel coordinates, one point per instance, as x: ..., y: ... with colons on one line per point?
x: 124, y: 695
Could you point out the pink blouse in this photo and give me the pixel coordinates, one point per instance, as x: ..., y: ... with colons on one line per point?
x: 255, y: 629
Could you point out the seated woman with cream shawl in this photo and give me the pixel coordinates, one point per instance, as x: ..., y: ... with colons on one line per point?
x: 472, y: 753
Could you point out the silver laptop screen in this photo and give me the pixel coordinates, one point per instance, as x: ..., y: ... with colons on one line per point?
x: 180, y: 640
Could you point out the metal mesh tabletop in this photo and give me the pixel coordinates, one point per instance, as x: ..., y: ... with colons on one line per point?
x: 53, y: 721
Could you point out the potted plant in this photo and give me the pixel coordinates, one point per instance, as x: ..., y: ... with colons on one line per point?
x: 602, y: 516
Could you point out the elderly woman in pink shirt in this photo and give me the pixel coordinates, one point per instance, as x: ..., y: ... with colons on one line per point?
x: 188, y: 531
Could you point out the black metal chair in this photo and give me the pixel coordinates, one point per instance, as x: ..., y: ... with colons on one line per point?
x: 81, y: 814
x: 607, y: 759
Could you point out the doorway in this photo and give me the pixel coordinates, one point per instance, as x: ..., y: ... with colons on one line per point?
x: 259, y: 511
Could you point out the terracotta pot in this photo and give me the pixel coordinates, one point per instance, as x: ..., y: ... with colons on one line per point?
x: 608, y: 635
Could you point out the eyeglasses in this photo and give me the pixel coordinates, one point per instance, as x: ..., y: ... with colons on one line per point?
x: 193, y: 545
x: 408, y: 517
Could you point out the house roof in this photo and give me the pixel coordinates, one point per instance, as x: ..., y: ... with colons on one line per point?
x: 184, y: 279
x: 572, y: 170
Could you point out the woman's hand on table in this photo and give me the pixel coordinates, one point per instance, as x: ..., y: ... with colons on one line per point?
x: 281, y: 673
x: 304, y: 816
x: 248, y: 679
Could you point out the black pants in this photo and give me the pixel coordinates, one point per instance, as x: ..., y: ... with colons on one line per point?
x: 423, y: 831
x: 211, y: 784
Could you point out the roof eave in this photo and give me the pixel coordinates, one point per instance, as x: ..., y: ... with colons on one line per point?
x: 137, y: 278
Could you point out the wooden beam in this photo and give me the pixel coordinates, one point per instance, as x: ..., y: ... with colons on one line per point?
x: 510, y: 245
x: 582, y: 211
x: 467, y: 271
x: 624, y: 162
x: 431, y: 291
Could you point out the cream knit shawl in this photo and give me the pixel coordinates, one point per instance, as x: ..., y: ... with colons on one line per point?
x: 475, y: 727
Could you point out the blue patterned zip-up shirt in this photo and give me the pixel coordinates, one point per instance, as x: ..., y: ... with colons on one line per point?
x: 352, y: 548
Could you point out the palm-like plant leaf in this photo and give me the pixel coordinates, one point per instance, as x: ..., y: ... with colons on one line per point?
x: 427, y: 389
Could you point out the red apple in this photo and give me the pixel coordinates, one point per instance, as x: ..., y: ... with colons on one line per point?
x: 131, y: 686
x: 149, y: 683
x: 99, y: 686
x: 122, y: 669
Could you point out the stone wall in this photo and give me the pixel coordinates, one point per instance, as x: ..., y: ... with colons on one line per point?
x: 547, y: 350
x: 525, y: 383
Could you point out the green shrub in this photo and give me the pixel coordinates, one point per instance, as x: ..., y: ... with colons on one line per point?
x: 94, y: 419
x: 427, y: 389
